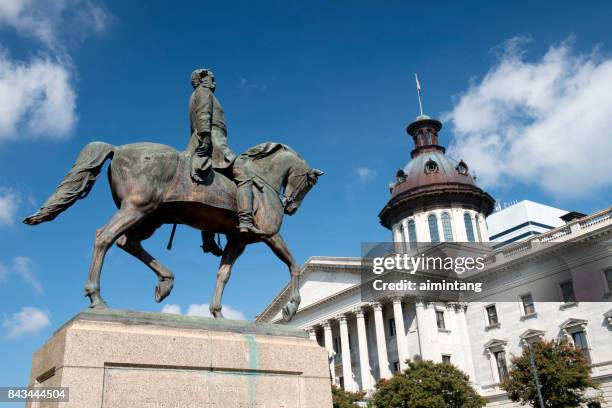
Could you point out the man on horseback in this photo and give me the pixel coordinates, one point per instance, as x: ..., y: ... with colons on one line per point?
x: 209, y: 149
x: 208, y: 142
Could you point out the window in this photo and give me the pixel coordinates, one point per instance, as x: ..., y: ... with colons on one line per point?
x: 446, y: 359
x: 446, y: 227
x: 528, y: 307
x: 608, y: 276
x: 391, y: 327
x: 412, y: 234
x: 492, y: 315
x: 396, y: 367
x: 567, y: 292
x: 478, y: 229
x: 580, y: 341
x: 469, y: 228
x: 440, y: 319
x: 433, y: 228
x: 502, y: 368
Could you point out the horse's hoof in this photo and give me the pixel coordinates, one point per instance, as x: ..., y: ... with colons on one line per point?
x: 98, y: 305
x: 217, y: 314
x: 163, y: 289
x: 289, y: 311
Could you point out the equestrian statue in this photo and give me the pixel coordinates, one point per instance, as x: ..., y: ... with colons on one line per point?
x: 207, y: 187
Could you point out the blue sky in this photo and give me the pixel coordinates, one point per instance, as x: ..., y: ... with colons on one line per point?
x: 520, y: 87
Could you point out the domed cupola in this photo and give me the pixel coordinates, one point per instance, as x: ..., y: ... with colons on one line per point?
x: 435, y: 198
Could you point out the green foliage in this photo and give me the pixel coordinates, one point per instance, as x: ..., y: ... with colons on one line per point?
x: 563, y: 370
x: 345, y: 399
x: 425, y: 384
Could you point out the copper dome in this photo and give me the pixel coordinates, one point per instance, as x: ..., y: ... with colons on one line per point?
x: 432, y: 179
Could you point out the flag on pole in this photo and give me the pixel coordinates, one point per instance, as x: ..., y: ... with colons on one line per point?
x: 418, y: 85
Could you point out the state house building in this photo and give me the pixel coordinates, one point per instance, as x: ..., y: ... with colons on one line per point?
x: 436, y: 199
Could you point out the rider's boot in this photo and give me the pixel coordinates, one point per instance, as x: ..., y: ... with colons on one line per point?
x: 244, y: 198
x: 209, y: 244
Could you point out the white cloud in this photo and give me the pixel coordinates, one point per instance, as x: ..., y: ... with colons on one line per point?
x: 21, y: 266
x: 29, y: 320
x: 171, y: 309
x: 9, y: 201
x: 365, y: 174
x: 251, y: 86
x: 545, y: 122
x: 37, y: 98
x: 51, y: 21
x: 202, y: 311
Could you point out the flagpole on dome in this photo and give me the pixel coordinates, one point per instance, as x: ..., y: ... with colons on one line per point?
x: 418, y: 86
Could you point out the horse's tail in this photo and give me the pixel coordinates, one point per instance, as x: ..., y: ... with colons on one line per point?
x: 77, y: 183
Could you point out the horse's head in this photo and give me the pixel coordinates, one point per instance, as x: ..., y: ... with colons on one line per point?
x: 299, y: 182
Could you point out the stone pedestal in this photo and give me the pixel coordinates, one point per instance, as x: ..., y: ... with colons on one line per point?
x: 123, y: 359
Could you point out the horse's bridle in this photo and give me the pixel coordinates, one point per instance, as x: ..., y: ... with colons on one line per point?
x: 288, y: 200
x: 284, y: 199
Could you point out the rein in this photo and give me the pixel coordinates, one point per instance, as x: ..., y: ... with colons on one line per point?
x: 285, y: 201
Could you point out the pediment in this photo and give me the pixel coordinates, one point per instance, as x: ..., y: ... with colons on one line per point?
x: 572, y: 322
x: 495, y: 343
x: 531, y: 333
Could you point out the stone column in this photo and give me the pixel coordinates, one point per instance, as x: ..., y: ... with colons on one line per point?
x: 312, y: 333
x: 465, y: 340
x: 347, y: 369
x: 400, y: 333
x: 364, y: 358
x: 493, y: 364
x: 328, y: 342
x: 424, y: 331
x: 381, y: 342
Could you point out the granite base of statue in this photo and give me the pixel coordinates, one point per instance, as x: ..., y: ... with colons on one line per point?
x: 121, y: 359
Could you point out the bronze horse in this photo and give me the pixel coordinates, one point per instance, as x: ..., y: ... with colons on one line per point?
x: 151, y: 186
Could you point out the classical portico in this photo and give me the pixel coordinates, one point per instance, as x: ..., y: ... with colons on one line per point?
x: 371, y: 340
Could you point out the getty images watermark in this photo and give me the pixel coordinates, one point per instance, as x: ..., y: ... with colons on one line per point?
x: 567, y: 272
x: 410, y: 264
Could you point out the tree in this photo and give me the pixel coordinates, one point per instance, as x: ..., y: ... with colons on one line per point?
x: 345, y: 399
x: 563, y: 370
x: 425, y: 384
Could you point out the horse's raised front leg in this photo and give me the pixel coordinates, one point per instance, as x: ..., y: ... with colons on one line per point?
x: 120, y: 223
x: 232, y: 251
x: 278, y: 246
x: 131, y: 242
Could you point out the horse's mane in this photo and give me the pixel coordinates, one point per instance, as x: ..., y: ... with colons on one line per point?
x: 267, y: 149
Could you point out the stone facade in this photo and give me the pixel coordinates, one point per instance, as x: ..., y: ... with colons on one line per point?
x: 380, y: 336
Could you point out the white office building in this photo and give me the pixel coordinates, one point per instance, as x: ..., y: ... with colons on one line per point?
x: 435, y: 199
x: 521, y: 221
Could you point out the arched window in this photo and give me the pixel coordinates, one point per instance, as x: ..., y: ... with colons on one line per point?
x: 446, y: 227
x: 478, y: 229
x: 412, y: 234
x: 469, y: 228
x: 433, y: 228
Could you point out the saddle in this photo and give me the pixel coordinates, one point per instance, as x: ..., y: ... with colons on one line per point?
x: 218, y: 190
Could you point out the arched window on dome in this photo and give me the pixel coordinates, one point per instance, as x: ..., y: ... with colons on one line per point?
x: 412, y: 236
x: 434, y: 235
x: 469, y: 227
x: 446, y: 227
x: 478, y: 229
